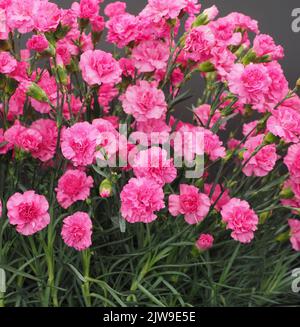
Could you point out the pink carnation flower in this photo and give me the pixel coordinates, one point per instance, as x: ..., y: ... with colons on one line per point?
x: 192, y: 7
x: 46, y: 16
x: 190, y: 203
x: 38, y: 43
x: 127, y: 67
x: 250, y: 83
x: 27, y: 139
x: 154, y: 164
x: 261, y: 163
x: 7, y: 63
x: 122, y: 29
x: 150, y: 55
x: 241, y: 219
x: 279, y: 87
x: 73, y: 186
x: 223, y: 60
x: 295, y: 233
x: 89, y: 8
x: 244, y: 22
x: 285, y: 123
x: 77, y: 231
x: 78, y: 143
x: 49, y: 132
x: 224, y: 31
x: 114, y: 9
x: 144, y: 101
x: 199, y: 43
x: 264, y: 45
x: 20, y: 15
x: 28, y: 211
x: 205, y: 242
x: 213, y: 147
x: 99, y: 67
x: 292, y: 161
x: 217, y: 198
x: 157, y: 9
x: 97, y: 24
x: 140, y: 199
x: 40, y: 139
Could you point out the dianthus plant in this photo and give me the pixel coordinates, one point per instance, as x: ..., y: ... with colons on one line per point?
x: 97, y: 146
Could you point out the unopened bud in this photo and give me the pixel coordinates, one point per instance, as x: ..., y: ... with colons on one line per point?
x: 36, y: 92
x: 283, y: 237
x: 264, y: 216
x: 62, y: 75
x: 249, y: 57
x: 205, y: 17
x: 270, y: 139
x: 206, y: 67
x: 286, y: 193
x: 105, y: 188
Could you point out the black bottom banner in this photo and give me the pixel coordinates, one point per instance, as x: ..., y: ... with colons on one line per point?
x: 148, y: 316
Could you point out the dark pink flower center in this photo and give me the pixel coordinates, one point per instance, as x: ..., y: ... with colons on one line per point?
x: 28, y: 212
x: 189, y: 202
x: 77, y: 233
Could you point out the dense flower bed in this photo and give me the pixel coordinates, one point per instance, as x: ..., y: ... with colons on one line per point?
x: 86, y: 131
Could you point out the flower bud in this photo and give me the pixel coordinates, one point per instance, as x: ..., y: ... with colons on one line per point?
x: 204, y: 242
x: 270, y: 139
x: 206, y: 67
x: 36, y: 92
x: 199, y: 183
x: 205, y: 17
x: 62, y: 75
x: 249, y: 57
x: 286, y: 193
x: 105, y: 189
x: 283, y: 237
x: 264, y: 216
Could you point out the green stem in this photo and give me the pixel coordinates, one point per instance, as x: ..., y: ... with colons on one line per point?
x: 86, y: 258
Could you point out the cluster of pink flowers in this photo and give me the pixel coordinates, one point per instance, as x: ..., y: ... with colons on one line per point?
x: 63, y: 117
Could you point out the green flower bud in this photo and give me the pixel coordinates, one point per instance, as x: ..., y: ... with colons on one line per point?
x: 270, y: 139
x: 62, y: 75
x: 37, y: 93
x: 206, y: 67
x: 264, y: 216
x: 105, y: 188
x: 286, y: 193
